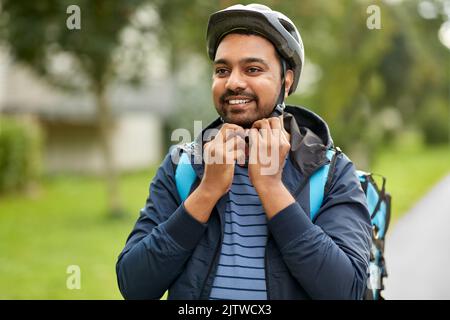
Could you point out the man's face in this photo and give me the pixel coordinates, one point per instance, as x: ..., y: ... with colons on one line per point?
x: 247, y: 79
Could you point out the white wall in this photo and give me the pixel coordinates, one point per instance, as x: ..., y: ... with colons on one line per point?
x: 137, y: 141
x: 137, y: 144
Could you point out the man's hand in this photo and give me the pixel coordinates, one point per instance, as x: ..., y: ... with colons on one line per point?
x: 220, y: 155
x: 269, y: 146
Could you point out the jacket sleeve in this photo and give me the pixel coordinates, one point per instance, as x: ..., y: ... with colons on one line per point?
x: 161, y: 241
x: 330, y: 259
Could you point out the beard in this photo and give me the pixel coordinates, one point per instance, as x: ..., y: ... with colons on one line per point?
x: 243, y: 119
x: 244, y: 122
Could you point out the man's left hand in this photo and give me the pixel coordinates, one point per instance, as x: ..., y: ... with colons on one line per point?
x: 268, y: 148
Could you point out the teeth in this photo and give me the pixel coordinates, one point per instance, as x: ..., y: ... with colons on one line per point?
x: 238, y: 101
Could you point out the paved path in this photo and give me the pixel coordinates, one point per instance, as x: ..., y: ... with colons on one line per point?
x: 418, y: 249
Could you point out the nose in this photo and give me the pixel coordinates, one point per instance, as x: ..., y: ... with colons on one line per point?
x: 236, y: 81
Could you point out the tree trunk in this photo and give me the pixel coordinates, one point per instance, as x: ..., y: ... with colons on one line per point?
x: 105, y: 123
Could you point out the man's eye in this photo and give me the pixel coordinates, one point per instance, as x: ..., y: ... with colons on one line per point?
x: 253, y: 70
x: 221, y: 71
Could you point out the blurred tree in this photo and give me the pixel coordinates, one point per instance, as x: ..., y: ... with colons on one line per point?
x: 183, y: 27
x: 86, y: 59
x: 427, y: 87
x: 366, y: 71
x: 20, y: 154
x: 181, y: 34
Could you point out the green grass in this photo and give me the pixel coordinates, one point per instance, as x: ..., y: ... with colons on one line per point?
x: 66, y: 225
x: 411, y: 172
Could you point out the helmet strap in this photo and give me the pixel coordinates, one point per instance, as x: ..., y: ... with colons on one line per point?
x: 279, y: 107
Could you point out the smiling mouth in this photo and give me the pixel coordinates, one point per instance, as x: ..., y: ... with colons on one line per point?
x: 238, y: 101
x: 238, y: 105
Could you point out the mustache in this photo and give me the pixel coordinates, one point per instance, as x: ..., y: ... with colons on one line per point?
x: 231, y: 93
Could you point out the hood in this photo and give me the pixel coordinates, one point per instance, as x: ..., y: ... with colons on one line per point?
x: 310, y: 139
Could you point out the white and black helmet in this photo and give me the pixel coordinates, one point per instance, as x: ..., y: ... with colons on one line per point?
x: 260, y: 19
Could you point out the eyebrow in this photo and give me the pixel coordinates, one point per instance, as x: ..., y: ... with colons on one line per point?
x: 244, y: 61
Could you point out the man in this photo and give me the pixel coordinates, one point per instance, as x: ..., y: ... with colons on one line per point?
x: 244, y: 231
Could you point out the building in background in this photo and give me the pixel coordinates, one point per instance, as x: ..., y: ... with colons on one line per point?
x: 69, y: 123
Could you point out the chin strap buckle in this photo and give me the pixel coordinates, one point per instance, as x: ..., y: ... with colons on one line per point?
x: 278, y: 110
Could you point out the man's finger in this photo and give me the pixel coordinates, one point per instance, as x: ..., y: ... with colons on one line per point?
x: 264, y: 128
x: 240, y: 158
x: 234, y: 143
x: 275, y: 123
x: 253, y: 137
x: 229, y: 131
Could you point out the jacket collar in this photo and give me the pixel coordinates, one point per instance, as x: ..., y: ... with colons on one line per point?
x: 310, y: 139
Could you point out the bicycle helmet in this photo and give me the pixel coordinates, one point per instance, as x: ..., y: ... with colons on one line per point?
x: 260, y: 19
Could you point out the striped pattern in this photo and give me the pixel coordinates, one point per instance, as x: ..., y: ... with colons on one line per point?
x: 240, y: 274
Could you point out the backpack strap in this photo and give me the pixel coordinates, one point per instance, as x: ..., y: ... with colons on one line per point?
x: 184, y: 176
x: 317, y: 184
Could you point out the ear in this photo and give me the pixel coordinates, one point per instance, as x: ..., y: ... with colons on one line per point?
x: 289, y: 79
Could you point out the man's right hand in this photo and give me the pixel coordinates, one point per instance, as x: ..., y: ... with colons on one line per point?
x: 220, y: 155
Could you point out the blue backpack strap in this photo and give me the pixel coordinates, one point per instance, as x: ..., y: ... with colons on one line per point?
x: 377, y: 202
x: 317, y: 186
x: 184, y: 176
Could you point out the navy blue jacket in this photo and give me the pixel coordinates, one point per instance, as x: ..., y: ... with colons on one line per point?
x: 326, y: 258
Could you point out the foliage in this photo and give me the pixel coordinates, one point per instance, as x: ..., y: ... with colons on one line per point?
x: 36, y: 33
x: 434, y: 119
x: 20, y: 153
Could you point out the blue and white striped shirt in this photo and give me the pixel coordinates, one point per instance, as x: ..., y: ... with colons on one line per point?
x: 241, y: 272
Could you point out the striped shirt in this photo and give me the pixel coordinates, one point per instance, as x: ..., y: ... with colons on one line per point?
x: 241, y: 272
